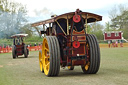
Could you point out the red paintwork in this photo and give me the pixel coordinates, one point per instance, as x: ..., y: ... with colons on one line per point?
x: 80, y: 38
x: 113, y: 37
x: 80, y: 50
x: 78, y: 62
x: 19, y: 49
x: 76, y: 44
x: 76, y: 51
x: 76, y: 18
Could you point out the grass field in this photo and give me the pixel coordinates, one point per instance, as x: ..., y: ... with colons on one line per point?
x: 25, y: 71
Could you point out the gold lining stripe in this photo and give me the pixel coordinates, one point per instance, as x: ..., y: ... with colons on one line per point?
x: 61, y: 28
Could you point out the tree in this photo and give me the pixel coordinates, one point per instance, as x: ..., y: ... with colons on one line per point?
x: 97, y: 29
x: 12, y: 17
x: 107, y: 27
x: 27, y: 29
x: 113, y: 12
x: 120, y: 19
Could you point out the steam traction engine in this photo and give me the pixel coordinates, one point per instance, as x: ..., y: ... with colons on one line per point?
x: 66, y: 43
x: 19, y: 48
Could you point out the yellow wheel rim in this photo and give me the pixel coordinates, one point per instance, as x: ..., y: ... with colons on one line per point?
x: 40, y: 61
x: 87, y: 66
x: 69, y: 67
x: 45, y: 56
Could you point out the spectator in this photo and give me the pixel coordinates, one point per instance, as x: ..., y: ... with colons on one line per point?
x: 109, y: 43
x: 35, y: 44
x: 116, y: 43
x: 113, y: 43
x: 121, y: 44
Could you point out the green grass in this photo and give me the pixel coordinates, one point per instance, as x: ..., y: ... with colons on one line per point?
x: 25, y: 71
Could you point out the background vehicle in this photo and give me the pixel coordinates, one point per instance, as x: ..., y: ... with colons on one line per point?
x: 67, y: 43
x: 19, y: 47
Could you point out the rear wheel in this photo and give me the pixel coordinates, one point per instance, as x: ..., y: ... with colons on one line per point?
x: 41, y: 61
x: 25, y: 51
x: 51, y: 56
x: 93, y: 55
x: 13, y: 52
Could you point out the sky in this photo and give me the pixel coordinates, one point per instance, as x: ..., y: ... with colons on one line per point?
x: 43, y: 9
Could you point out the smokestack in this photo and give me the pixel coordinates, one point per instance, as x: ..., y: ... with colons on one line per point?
x: 53, y: 16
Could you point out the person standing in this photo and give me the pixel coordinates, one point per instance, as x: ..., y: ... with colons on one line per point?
x: 109, y: 43
x: 116, y: 43
x: 121, y: 44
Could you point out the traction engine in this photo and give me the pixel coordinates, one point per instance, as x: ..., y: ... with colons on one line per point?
x: 66, y: 43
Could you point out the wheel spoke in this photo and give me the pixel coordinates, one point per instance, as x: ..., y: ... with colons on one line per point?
x: 41, y: 60
x: 47, y: 57
x: 87, y: 66
x: 47, y: 49
x: 47, y: 64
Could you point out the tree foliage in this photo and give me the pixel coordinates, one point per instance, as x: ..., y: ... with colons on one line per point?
x: 96, y: 29
x: 12, y: 17
x: 31, y: 31
x: 27, y: 29
x: 119, y: 19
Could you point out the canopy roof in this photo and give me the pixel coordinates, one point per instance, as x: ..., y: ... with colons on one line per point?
x: 90, y: 16
x: 19, y: 35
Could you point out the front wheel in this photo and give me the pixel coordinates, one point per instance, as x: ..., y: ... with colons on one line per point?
x: 13, y: 52
x: 25, y: 51
x: 51, y: 56
x: 93, y: 55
